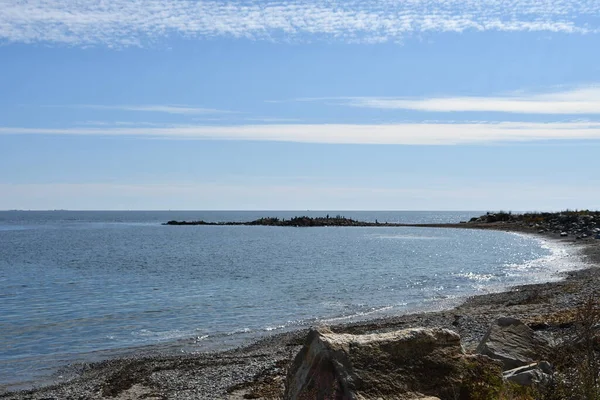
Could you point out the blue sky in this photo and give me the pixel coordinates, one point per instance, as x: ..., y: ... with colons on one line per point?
x: 393, y: 105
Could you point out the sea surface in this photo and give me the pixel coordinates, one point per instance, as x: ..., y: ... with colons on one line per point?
x: 85, y: 286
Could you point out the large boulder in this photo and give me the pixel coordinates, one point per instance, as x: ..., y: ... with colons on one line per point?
x: 512, y: 342
x: 414, y: 363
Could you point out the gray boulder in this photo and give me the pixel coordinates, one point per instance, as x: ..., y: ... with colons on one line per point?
x: 529, y: 375
x: 512, y: 342
x: 414, y: 363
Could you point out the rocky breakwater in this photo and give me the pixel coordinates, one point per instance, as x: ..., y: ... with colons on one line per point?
x: 303, y: 221
x: 578, y: 224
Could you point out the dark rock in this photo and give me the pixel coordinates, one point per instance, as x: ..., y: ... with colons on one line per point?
x: 538, y: 326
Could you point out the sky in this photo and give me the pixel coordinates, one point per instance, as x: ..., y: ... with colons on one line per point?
x: 296, y: 105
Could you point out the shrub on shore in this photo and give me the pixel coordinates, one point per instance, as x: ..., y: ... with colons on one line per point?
x: 577, y: 358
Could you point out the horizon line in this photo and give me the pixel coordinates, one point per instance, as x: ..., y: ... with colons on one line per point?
x: 288, y: 210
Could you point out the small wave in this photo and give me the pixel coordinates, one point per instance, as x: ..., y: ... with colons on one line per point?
x: 360, y: 314
x: 475, y: 277
x: 408, y: 237
x: 481, y: 288
x: 15, y: 228
x: 160, y: 336
x: 274, y: 328
x: 442, y: 296
x: 238, y: 331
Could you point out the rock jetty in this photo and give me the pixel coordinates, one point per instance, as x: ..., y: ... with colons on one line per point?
x: 576, y: 224
x: 303, y: 221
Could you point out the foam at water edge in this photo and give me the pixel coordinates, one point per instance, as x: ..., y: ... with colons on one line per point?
x: 476, y: 277
x: 563, y: 257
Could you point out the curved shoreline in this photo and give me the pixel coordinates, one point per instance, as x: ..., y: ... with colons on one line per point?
x: 258, y: 367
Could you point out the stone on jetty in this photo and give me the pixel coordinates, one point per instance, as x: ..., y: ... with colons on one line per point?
x: 512, y: 342
x: 413, y: 363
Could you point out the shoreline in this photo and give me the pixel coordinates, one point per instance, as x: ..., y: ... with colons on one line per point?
x: 259, y: 368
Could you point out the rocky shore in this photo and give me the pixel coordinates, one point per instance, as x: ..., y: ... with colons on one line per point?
x: 259, y: 370
x: 577, y: 224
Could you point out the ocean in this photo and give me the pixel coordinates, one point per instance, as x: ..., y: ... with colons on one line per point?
x: 86, y: 286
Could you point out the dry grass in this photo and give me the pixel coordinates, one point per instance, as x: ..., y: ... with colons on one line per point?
x: 576, y: 359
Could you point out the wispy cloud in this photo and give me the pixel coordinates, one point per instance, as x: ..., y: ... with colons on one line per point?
x: 272, y: 119
x: 167, y: 109
x: 115, y: 124
x: 407, y: 134
x: 136, y: 22
x: 577, y: 101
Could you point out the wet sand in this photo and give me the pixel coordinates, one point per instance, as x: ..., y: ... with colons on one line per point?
x: 257, y: 371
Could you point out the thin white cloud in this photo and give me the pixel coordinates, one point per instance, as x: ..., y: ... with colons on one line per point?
x: 115, y: 124
x: 272, y: 119
x: 407, y: 134
x: 576, y: 101
x: 167, y: 109
x: 136, y: 22
x: 184, y: 110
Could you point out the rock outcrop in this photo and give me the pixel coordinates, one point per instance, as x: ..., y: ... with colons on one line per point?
x: 579, y: 224
x: 512, y: 342
x: 414, y: 363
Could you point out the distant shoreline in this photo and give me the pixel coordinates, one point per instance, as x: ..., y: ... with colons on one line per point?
x: 301, y: 221
x: 581, y: 224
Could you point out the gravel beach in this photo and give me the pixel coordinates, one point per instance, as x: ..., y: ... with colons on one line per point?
x: 257, y: 371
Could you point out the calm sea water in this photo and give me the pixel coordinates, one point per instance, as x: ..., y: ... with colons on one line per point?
x: 80, y: 286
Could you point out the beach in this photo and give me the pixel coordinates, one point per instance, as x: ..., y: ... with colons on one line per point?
x: 258, y: 370
x: 297, y: 200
